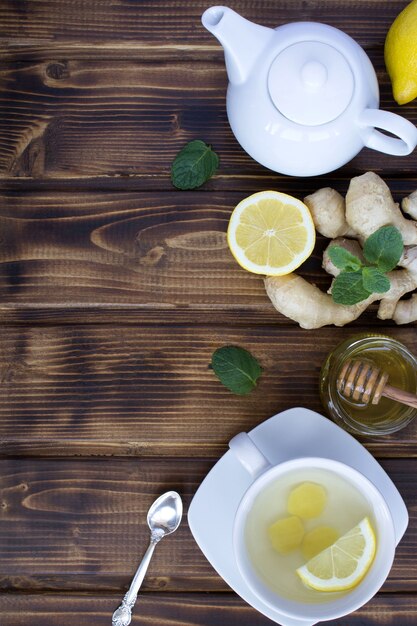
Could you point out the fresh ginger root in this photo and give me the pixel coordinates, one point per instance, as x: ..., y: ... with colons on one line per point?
x: 303, y: 302
x: 409, y: 205
x: 327, y: 208
x: 368, y: 206
x: 406, y: 311
x: 351, y: 245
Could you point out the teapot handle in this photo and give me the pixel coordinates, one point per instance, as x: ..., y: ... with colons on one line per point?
x: 395, y: 124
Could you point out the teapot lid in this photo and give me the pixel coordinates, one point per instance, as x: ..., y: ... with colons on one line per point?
x: 310, y: 83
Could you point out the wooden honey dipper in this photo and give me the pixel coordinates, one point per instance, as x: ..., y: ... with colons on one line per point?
x: 362, y: 381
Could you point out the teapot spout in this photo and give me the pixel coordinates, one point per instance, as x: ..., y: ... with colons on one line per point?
x: 243, y: 41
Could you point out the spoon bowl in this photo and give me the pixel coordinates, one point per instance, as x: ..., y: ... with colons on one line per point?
x: 164, y: 517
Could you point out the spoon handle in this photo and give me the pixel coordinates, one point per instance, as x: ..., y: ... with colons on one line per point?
x: 405, y: 397
x: 123, y: 615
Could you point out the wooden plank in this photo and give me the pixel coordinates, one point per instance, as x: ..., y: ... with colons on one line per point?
x: 77, y: 119
x: 151, y: 251
x: 147, y: 252
x: 244, y: 185
x: 148, y: 390
x: 42, y: 314
x: 80, y: 525
x: 137, y: 107
x: 97, y: 107
x: 156, y: 609
x: 124, y: 24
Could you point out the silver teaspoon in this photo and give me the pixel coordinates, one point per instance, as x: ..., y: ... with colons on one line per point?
x: 163, y: 518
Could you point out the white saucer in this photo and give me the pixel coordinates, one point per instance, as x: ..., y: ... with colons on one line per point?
x: 288, y: 435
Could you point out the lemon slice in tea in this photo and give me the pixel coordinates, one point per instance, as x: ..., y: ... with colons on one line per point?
x: 343, y: 565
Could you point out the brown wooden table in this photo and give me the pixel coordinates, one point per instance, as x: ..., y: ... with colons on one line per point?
x: 116, y: 289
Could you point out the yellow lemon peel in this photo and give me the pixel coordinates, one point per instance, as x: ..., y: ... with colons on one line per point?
x: 401, y: 54
x: 344, y: 564
x: 271, y: 233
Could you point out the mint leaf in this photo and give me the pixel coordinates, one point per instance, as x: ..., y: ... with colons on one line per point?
x: 193, y: 165
x: 343, y: 259
x: 236, y: 368
x: 384, y: 248
x: 348, y: 288
x: 374, y: 280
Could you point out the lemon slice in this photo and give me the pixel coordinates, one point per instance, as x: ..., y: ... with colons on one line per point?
x: 345, y: 563
x: 271, y: 233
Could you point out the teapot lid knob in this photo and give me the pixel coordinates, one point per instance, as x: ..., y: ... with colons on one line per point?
x: 313, y: 74
x: 310, y: 83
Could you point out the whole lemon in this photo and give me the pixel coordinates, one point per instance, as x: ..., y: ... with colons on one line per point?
x: 401, y: 54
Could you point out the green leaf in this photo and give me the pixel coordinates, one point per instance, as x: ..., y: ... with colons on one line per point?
x: 348, y: 288
x: 384, y: 248
x: 193, y: 165
x: 374, y: 280
x: 343, y: 259
x: 236, y: 368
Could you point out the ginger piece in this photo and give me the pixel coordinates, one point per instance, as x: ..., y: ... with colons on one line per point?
x: 327, y: 208
x: 351, y: 245
x: 296, y: 298
x: 409, y: 205
x: 317, y: 540
x: 286, y: 534
x: 369, y: 205
x: 409, y: 259
x: 306, y: 304
x: 406, y: 311
x: 402, y: 282
x: 307, y: 500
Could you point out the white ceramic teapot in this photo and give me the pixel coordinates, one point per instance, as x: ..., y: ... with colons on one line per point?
x: 303, y: 98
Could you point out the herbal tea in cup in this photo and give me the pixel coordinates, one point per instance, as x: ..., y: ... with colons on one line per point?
x: 313, y: 538
x: 300, y: 515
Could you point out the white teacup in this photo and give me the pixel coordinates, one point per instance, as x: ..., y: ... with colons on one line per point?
x: 264, y: 474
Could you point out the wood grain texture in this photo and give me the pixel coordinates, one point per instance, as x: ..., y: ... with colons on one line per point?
x: 114, y: 291
x: 80, y: 525
x: 148, y: 390
x: 181, y: 610
x: 121, y: 118
x: 151, y: 252
x: 172, y: 24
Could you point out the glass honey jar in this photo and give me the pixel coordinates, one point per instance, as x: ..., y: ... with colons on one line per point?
x: 390, y: 356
